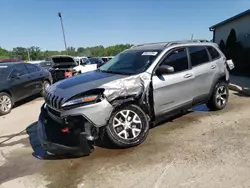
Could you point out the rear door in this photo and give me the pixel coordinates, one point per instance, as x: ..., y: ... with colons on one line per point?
x: 204, y: 71
x: 36, y: 78
x: 19, y: 82
x: 174, y: 91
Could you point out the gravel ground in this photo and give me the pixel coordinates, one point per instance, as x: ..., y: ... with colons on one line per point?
x: 199, y: 149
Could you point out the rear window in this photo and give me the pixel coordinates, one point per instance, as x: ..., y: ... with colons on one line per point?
x: 213, y: 52
x: 32, y: 68
x: 198, y: 55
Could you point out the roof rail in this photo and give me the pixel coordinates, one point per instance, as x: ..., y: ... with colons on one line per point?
x: 186, y: 41
x: 172, y: 42
x: 152, y: 43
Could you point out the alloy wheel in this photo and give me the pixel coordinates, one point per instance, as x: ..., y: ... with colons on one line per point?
x: 5, y: 103
x: 221, y: 96
x: 127, y: 124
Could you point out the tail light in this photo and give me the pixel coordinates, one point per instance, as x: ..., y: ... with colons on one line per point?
x: 67, y: 74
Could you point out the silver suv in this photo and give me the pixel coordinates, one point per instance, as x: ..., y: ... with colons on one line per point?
x: 127, y: 94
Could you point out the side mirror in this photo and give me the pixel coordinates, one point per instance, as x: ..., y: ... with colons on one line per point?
x: 164, y: 69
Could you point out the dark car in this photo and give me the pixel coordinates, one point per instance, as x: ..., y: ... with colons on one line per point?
x: 96, y: 60
x: 45, y: 64
x: 19, y: 81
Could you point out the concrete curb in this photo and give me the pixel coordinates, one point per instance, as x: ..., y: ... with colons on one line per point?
x: 234, y: 87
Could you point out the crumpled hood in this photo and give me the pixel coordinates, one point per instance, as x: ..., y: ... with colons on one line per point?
x: 115, y: 85
x: 70, y: 87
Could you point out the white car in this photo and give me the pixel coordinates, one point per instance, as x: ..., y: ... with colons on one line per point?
x: 67, y: 66
x: 84, y: 65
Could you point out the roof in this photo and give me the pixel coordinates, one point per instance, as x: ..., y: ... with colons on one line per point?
x: 247, y: 12
x: 163, y: 45
x: 9, y: 64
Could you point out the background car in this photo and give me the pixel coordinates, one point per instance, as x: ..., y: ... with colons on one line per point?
x: 67, y: 66
x: 97, y: 60
x: 44, y: 64
x: 19, y: 81
x: 106, y: 59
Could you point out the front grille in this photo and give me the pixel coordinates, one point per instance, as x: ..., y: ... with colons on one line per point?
x: 54, y: 112
x: 58, y: 75
x: 53, y: 100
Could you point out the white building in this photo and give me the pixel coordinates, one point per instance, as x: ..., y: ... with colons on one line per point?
x: 240, y: 23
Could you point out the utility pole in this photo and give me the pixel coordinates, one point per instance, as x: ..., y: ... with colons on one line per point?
x: 28, y: 53
x: 64, y: 38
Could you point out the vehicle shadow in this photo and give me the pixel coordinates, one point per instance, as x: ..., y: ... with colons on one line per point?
x: 38, y: 151
x: 41, y: 154
x: 172, y: 117
x: 27, y: 100
x: 103, y: 142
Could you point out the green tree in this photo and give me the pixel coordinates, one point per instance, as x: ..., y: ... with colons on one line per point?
x: 222, y: 46
x: 35, y: 53
x: 20, y: 53
x: 4, y: 54
x: 71, y: 51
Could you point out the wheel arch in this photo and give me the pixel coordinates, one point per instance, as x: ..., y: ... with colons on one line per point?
x: 47, y: 79
x: 220, y: 78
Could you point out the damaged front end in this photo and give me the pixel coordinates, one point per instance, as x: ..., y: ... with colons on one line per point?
x: 63, y: 138
x: 137, y: 89
x: 72, y: 126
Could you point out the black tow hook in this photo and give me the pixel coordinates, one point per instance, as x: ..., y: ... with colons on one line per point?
x: 87, y: 146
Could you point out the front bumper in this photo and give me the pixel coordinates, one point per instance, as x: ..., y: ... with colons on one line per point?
x: 97, y: 114
x: 56, y: 142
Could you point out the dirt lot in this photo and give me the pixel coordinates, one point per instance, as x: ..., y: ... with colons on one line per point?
x: 199, y: 149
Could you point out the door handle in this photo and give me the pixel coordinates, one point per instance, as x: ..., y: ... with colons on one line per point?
x: 188, y: 75
x: 213, y: 67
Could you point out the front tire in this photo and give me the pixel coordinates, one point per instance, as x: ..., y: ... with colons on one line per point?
x: 219, y: 97
x: 6, y: 103
x: 128, y: 126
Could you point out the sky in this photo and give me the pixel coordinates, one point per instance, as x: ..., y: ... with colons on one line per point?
x: 108, y: 22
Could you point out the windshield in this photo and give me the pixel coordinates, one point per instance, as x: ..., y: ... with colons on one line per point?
x: 130, y: 62
x: 46, y: 64
x: 86, y: 61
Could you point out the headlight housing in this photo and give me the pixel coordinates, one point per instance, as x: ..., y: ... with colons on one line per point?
x: 90, y: 99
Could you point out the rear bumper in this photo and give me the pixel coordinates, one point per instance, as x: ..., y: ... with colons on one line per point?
x: 57, y: 142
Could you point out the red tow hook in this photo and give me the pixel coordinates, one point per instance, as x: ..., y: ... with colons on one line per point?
x: 65, y: 130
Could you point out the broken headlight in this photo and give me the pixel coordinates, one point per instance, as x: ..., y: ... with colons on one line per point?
x: 83, y: 100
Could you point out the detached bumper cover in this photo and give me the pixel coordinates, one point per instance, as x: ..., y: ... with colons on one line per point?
x: 47, y: 136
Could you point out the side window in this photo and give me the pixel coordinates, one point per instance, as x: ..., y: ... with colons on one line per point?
x: 19, y: 70
x: 198, y: 55
x: 177, y: 59
x: 213, y: 52
x: 32, y: 68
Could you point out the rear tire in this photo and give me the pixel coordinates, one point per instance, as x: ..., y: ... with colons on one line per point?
x: 128, y: 126
x: 46, y: 84
x: 6, y: 103
x: 219, y: 97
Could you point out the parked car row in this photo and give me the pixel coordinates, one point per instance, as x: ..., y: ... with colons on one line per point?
x: 19, y: 80
x: 126, y: 95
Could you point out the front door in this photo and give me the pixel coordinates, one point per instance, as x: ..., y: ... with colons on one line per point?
x: 36, y: 78
x: 174, y: 90
x: 19, y: 82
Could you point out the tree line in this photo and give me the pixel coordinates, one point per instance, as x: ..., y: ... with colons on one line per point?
x: 35, y: 53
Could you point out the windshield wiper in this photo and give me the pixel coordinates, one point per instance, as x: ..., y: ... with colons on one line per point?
x: 114, y: 72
